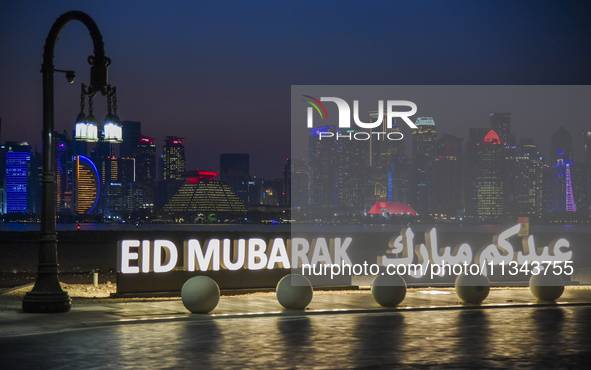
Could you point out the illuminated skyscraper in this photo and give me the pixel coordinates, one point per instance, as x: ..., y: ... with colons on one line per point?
x: 144, y: 152
x: 173, y: 155
x: 86, y: 186
x: 117, y: 184
x: 424, y: 140
x: 490, y: 181
x: 17, y: 157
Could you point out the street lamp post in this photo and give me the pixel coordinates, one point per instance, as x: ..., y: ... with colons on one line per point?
x: 47, y: 295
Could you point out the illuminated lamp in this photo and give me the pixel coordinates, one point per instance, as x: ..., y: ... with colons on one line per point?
x: 547, y: 287
x: 294, y: 292
x: 200, y: 294
x: 472, y: 288
x: 112, y: 130
x: 86, y: 128
x: 388, y: 290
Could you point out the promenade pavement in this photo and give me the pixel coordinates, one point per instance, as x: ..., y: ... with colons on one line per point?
x: 15, y: 323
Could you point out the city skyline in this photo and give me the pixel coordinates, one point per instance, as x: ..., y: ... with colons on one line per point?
x: 219, y: 74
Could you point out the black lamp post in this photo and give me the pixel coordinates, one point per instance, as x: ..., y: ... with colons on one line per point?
x: 47, y: 295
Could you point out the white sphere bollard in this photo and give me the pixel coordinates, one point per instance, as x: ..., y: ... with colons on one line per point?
x: 472, y: 288
x: 388, y: 290
x: 200, y: 294
x: 294, y: 292
x: 547, y: 287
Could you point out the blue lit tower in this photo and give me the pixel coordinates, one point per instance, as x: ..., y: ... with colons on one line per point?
x: 17, y: 157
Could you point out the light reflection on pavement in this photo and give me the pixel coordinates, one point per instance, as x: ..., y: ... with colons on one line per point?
x: 544, y: 337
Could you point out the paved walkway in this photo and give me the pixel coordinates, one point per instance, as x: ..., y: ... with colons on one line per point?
x: 15, y: 323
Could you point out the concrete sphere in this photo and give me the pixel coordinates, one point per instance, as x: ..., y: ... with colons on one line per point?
x: 546, y: 287
x: 388, y: 290
x: 200, y: 294
x: 472, y: 288
x: 294, y: 292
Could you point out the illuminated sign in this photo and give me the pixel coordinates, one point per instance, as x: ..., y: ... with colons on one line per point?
x: 499, y: 252
x: 146, y: 139
x: 214, y: 254
x: 246, y: 260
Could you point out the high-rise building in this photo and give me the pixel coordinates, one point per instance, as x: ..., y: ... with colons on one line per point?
x: 386, y: 176
x: 562, y: 141
x: 350, y: 172
x: 86, y: 186
x: 17, y: 157
x: 63, y: 170
x: 501, y: 124
x: 529, y: 149
x: 287, y: 184
x: 130, y: 130
x: 424, y: 141
x: 491, y: 172
x: 118, y: 185
x: 173, y: 155
x: 475, y: 137
x: 517, y: 183
x: 299, y: 184
x: 322, y: 172
x: 447, y: 177
x: 144, y: 153
x: 235, y: 171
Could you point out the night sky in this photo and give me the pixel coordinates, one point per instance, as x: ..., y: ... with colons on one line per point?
x: 220, y: 73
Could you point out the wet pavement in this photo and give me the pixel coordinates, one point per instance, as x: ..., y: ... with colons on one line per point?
x: 429, y: 330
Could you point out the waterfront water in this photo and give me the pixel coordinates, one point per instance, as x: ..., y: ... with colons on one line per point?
x: 30, y: 226
x: 536, y: 338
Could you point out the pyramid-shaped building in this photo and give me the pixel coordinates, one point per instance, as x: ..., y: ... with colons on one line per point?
x: 201, y: 194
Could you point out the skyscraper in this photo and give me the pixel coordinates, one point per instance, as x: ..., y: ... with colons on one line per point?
x: 386, y: 177
x: 86, y: 186
x: 562, y: 141
x: 447, y: 177
x: 476, y: 136
x: 17, y: 157
x: 173, y: 155
x: 490, y: 181
x: 235, y: 171
x: 424, y: 141
x: 350, y: 173
x: 129, y: 131
x: 322, y: 173
x: 501, y: 124
x: 144, y: 152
